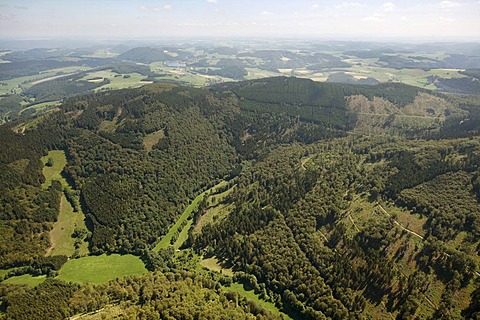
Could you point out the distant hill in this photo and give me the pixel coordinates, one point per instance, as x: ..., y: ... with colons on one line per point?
x: 149, y: 55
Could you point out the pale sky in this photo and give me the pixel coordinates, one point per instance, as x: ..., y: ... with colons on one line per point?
x: 355, y: 19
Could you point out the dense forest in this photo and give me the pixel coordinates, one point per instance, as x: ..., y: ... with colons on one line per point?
x: 343, y: 201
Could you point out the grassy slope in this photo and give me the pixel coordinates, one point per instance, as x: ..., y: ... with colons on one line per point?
x: 26, y: 279
x: 54, y: 172
x: 165, y: 242
x: 41, y: 106
x: 60, y: 235
x: 118, y: 82
x: 214, y: 265
x: 183, y: 236
x: 151, y: 139
x: 100, y: 269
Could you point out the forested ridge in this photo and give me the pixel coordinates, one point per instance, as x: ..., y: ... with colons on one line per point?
x: 327, y: 215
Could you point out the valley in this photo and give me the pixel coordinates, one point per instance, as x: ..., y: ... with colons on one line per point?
x: 269, y: 198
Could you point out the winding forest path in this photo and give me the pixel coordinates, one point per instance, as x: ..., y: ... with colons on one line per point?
x: 413, y: 232
x: 398, y: 224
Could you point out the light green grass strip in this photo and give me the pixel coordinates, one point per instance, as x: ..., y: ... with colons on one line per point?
x: 26, y: 279
x: 250, y: 295
x: 165, y: 242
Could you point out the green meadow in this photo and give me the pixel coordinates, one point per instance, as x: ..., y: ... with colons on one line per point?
x: 61, y: 234
x: 68, y: 220
x: 55, y: 171
x: 26, y: 279
x: 101, y: 269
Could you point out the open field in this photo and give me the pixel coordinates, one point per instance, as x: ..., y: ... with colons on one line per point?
x: 68, y: 220
x: 4, y: 272
x: 116, y: 81
x: 151, y: 139
x: 214, y: 265
x: 61, y: 234
x: 54, y: 172
x: 183, y: 236
x: 26, y: 279
x: 212, y: 214
x: 100, y: 269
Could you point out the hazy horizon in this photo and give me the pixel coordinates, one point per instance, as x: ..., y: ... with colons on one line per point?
x: 438, y: 20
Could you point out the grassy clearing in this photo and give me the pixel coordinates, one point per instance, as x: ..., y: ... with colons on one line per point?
x: 100, y: 269
x: 151, y: 139
x: 214, y: 265
x: 216, y: 198
x: 68, y: 220
x: 254, y: 73
x: 407, y: 219
x: 165, y: 242
x: 250, y: 295
x: 54, y: 172
x: 213, y: 214
x: 61, y: 234
x: 26, y: 279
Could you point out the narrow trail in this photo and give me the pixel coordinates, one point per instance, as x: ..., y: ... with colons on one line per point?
x: 353, y: 222
x: 323, y: 235
x: 398, y: 224
x: 304, y: 161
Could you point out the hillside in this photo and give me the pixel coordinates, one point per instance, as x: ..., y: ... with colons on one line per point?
x: 324, y: 200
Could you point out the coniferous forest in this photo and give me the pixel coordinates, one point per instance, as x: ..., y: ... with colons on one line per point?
x: 337, y: 201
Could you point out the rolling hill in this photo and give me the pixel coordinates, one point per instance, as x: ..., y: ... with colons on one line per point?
x: 331, y: 201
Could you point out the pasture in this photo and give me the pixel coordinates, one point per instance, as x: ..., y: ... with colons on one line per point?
x: 61, y: 234
x: 41, y: 106
x: 68, y: 220
x: 116, y: 81
x: 101, y: 269
x: 214, y: 265
x: 26, y: 279
x: 59, y: 160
